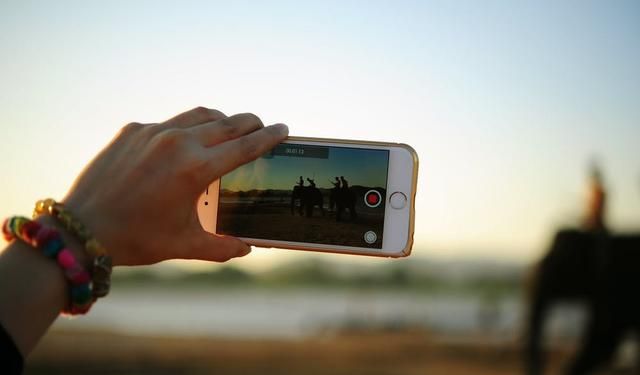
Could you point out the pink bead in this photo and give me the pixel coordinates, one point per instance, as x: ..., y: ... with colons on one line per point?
x: 73, y: 271
x: 80, y: 278
x: 66, y: 259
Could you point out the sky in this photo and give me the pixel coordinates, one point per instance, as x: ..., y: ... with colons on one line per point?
x: 359, y: 167
x: 506, y: 102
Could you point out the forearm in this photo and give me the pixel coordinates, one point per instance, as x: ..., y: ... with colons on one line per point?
x: 33, y: 290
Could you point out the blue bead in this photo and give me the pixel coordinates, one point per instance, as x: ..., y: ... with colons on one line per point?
x: 52, y: 247
x: 80, y: 294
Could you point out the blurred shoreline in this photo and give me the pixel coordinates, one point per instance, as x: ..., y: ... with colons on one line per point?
x: 259, y: 312
x: 378, y: 353
x: 309, y: 316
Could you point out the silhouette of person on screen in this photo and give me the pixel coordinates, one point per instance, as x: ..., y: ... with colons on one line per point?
x: 345, y: 184
x: 334, y: 193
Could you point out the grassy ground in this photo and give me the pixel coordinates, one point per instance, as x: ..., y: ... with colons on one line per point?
x: 376, y: 354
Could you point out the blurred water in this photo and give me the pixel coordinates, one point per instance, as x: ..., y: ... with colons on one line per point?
x: 298, y: 313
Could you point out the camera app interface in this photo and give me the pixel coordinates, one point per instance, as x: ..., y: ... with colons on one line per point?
x: 302, y: 193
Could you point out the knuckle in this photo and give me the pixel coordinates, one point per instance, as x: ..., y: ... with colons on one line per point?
x: 228, y: 128
x: 252, y: 118
x: 207, y: 114
x: 131, y: 127
x: 200, y: 110
x: 172, y: 138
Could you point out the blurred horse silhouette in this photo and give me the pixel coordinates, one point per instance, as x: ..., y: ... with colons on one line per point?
x: 345, y: 199
x: 597, y: 268
x: 333, y: 195
x: 309, y: 197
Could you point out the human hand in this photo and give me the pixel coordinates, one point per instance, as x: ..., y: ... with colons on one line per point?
x: 138, y: 196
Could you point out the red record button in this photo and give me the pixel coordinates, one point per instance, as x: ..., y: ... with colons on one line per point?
x: 372, y: 198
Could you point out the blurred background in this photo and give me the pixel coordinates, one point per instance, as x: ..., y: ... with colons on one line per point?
x: 508, y: 104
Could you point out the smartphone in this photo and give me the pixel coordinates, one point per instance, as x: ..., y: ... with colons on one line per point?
x: 329, y: 195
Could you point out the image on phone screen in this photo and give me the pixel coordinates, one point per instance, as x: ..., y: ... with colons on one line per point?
x: 306, y: 193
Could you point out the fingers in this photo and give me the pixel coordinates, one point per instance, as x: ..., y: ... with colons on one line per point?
x: 217, y: 248
x: 212, y: 133
x: 229, y: 155
x: 196, y: 116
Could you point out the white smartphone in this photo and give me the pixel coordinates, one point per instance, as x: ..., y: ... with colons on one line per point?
x: 330, y: 195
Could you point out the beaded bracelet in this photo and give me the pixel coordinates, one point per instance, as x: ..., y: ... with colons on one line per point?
x: 102, y: 264
x: 50, y: 242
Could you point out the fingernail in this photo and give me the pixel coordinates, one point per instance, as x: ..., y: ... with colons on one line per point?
x: 282, y: 128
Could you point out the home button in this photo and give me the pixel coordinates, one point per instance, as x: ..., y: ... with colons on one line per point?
x: 398, y: 200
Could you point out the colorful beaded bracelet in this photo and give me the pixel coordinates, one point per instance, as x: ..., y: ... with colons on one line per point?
x: 102, y: 264
x: 50, y: 242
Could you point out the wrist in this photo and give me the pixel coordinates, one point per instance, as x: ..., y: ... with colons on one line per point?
x: 97, y: 225
x: 33, y: 291
x: 70, y: 241
x: 94, y: 256
x: 50, y: 243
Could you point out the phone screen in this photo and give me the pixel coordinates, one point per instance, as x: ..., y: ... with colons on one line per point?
x: 306, y: 193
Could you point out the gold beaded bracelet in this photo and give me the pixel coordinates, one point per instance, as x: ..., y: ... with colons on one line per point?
x: 102, y: 264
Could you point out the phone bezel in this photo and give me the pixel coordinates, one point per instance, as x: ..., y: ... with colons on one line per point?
x: 398, y: 223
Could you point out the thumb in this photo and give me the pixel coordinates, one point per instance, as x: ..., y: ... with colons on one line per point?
x: 217, y: 248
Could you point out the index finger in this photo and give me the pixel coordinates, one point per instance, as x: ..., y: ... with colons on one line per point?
x: 196, y: 116
x: 227, y: 156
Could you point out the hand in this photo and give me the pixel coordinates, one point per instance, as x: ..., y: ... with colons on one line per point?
x: 138, y: 196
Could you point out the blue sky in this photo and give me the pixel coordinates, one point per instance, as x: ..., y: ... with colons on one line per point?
x: 505, y: 101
